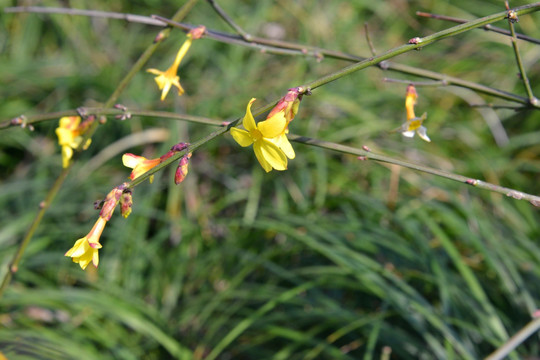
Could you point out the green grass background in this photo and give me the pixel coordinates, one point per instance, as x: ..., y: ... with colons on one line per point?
x: 324, y: 261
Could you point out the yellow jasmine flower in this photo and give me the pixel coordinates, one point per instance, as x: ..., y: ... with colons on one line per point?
x: 139, y: 164
x: 166, y: 79
x: 69, y: 132
x: 86, y: 249
x: 271, y: 152
x: 413, y: 123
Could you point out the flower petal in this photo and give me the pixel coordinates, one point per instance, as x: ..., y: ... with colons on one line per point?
x: 131, y: 160
x: 241, y: 137
x: 422, y: 133
x: 67, y: 154
x: 249, y: 121
x: 258, y: 153
x: 408, y: 134
x: 283, y: 143
x: 274, y: 126
x: 273, y: 155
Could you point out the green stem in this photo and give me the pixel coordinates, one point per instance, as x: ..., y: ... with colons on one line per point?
x: 247, y: 37
x: 485, y: 27
x: 418, y: 43
x: 287, y: 48
x: 118, y: 112
x: 535, y: 200
x: 523, y: 73
x: 14, y: 264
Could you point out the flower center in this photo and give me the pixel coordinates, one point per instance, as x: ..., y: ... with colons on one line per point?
x: 255, y: 134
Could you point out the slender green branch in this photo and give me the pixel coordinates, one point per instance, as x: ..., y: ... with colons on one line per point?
x: 92, y: 13
x: 522, y: 72
x: 487, y: 27
x: 516, y: 340
x: 384, y: 65
x: 14, y: 264
x: 416, y: 83
x: 417, y: 43
x: 368, y: 40
x: 219, y: 10
x: 289, y: 48
x: 366, y: 154
x: 33, y: 119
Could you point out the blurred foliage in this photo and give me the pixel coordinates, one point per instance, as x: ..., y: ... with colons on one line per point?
x: 328, y: 260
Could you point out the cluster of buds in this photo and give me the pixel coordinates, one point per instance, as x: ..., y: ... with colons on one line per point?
x: 85, y: 250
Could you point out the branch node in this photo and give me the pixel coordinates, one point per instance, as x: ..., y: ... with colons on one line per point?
x: 511, y: 15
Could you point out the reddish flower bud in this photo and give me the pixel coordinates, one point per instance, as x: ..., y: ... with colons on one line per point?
x: 198, y: 32
x: 182, y: 169
x: 110, y: 203
x: 126, y: 202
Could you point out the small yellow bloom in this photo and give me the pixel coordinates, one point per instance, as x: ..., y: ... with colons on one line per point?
x: 139, y: 164
x: 270, y: 145
x: 69, y: 132
x: 413, y: 123
x: 85, y: 249
x: 166, y: 79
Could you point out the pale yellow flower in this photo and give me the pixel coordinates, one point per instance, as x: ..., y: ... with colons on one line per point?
x: 86, y: 249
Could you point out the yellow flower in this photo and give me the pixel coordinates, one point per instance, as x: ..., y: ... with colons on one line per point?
x: 69, y: 133
x: 85, y: 249
x: 270, y: 144
x: 413, y: 123
x: 166, y: 79
x: 139, y: 164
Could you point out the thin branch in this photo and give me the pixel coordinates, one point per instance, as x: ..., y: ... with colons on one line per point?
x: 487, y: 27
x: 522, y: 72
x: 219, y: 10
x: 416, y: 83
x: 288, y: 48
x: 366, y: 154
x: 516, y: 340
x: 91, y: 13
x: 13, y: 266
x: 33, y: 119
x: 368, y: 40
x: 418, y: 43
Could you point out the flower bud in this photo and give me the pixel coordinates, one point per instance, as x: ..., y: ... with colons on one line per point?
x: 126, y: 202
x: 182, y: 169
x: 110, y: 203
x: 198, y: 32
